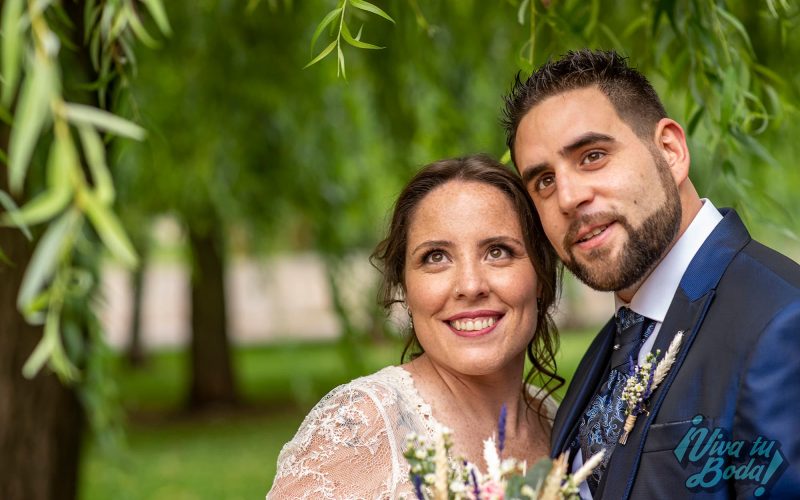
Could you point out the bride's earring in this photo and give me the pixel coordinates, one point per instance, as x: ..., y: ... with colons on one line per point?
x: 410, y: 317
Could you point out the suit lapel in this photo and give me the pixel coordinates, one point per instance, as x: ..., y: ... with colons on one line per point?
x: 686, y: 313
x: 584, y: 384
x: 684, y: 316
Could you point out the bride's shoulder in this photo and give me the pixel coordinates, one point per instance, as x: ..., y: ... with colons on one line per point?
x: 379, y: 386
x: 343, y: 447
x: 362, y: 400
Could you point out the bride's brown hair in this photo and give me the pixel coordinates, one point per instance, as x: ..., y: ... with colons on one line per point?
x: 390, y: 255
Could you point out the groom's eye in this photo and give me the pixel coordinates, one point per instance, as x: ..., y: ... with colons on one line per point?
x: 593, y: 156
x: 544, y: 182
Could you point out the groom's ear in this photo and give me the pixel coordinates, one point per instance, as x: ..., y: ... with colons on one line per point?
x: 670, y: 141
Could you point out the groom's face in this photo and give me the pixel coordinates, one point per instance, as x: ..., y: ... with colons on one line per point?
x: 606, y: 198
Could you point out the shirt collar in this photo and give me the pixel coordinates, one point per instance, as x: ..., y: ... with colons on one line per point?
x: 655, y: 295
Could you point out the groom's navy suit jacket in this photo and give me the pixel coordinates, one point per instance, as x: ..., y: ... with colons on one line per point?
x: 738, y: 305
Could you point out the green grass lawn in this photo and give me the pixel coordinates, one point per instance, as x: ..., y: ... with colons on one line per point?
x: 174, y: 456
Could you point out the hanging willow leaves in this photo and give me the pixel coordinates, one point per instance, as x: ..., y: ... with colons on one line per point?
x: 12, y: 48
x: 33, y: 111
x: 344, y: 33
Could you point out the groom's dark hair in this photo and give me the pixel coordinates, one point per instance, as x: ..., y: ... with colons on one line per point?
x: 630, y: 93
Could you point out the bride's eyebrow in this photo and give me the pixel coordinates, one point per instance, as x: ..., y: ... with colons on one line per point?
x: 499, y: 239
x: 431, y: 244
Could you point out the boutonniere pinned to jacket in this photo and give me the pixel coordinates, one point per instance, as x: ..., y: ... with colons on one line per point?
x: 643, y: 380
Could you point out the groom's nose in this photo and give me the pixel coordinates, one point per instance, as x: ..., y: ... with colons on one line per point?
x: 572, y: 191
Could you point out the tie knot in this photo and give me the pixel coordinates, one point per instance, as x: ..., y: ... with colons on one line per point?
x: 632, y: 330
x: 627, y: 318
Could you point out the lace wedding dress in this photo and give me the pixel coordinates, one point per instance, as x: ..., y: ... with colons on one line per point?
x: 350, y: 446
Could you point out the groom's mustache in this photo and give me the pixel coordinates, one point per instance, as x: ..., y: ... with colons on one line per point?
x: 588, y: 220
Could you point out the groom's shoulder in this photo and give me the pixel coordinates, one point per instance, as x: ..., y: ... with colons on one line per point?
x: 766, y: 267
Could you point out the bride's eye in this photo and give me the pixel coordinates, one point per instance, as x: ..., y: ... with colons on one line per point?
x: 497, y: 252
x: 434, y: 257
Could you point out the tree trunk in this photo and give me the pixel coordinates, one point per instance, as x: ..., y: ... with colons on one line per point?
x: 349, y: 336
x: 41, y: 420
x: 212, y: 379
x: 135, y: 350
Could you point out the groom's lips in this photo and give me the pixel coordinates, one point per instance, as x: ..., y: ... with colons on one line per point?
x: 590, y: 237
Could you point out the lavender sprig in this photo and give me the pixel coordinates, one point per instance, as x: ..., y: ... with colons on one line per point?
x: 501, y: 429
x: 417, y: 480
x: 476, y: 489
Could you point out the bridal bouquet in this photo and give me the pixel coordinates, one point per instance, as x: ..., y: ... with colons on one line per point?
x: 437, y: 476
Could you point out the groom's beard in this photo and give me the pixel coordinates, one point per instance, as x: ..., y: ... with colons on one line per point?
x: 645, y: 247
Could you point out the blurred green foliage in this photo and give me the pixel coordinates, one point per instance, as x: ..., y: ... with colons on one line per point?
x: 287, y: 158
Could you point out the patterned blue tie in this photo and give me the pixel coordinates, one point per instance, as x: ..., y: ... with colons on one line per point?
x: 602, y: 422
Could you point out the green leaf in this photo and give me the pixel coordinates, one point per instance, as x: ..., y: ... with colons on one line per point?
x: 327, y: 50
x: 94, y: 49
x: 12, y: 212
x: 39, y: 357
x: 12, y: 48
x: 737, y: 25
x: 356, y: 43
x: 80, y: 114
x: 728, y: 99
x: 31, y: 114
x: 695, y: 120
x: 328, y: 19
x: 45, y: 258
x: 50, y: 347
x: 522, y: 13
x: 138, y: 28
x: 109, y: 229
x: 368, y: 7
x: 118, y: 26
x: 61, y: 162
x: 90, y: 13
x: 755, y: 147
x: 665, y: 7
x: 42, y: 208
x: 506, y: 158
x: 156, y: 8
x: 340, y: 57
x: 95, y: 154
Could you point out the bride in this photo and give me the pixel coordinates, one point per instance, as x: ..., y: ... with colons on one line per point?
x: 467, y: 257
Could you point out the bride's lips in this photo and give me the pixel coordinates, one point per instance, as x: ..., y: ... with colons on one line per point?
x: 473, y: 323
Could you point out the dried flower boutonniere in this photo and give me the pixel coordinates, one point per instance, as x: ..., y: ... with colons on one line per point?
x: 643, y: 380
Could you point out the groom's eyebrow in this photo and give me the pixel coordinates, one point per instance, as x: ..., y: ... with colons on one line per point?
x: 583, y: 141
x: 532, y: 172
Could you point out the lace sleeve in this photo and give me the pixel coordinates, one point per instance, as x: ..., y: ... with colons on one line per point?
x: 340, y: 451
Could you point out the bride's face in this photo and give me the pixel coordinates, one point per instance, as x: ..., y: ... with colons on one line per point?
x: 470, y: 284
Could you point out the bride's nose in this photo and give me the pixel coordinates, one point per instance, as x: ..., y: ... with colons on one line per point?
x: 470, y: 281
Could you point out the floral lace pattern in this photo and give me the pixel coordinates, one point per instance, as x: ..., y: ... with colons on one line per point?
x: 350, y: 445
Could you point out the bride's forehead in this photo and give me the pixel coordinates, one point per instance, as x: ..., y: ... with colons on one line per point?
x: 464, y: 209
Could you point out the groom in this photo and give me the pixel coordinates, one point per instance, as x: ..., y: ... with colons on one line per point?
x: 608, y: 173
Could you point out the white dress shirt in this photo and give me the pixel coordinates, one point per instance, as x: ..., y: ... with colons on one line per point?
x: 656, y: 292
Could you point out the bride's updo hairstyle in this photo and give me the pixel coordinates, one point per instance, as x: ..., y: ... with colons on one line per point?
x: 390, y: 254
